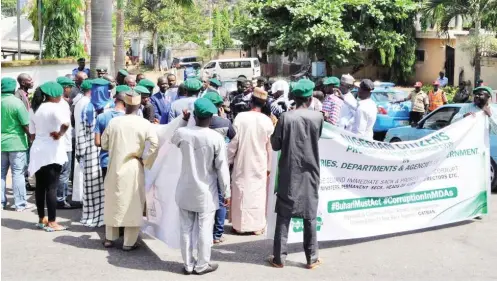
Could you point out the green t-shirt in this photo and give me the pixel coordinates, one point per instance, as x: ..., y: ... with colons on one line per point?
x: 14, y: 117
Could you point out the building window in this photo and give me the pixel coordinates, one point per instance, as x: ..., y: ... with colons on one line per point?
x: 420, y: 55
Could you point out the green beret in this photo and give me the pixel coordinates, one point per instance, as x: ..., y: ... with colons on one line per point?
x: 8, y: 85
x: 100, y: 81
x: 142, y: 90
x: 193, y: 84
x: 214, y: 97
x: 123, y: 72
x: 482, y: 88
x: 303, y: 88
x: 215, y: 82
x: 86, y: 85
x: 204, y: 108
x: 65, y: 81
x: 331, y: 81
x: 52, y: 89
x: 146, y: 83
x: 122, y: 89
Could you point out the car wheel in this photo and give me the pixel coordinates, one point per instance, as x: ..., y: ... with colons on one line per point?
x: 493, y: 175
x: 395, y: 140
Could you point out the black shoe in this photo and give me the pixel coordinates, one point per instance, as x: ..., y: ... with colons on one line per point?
x: 212, y: 267
x: 64, y: 205
x: 186, y: 272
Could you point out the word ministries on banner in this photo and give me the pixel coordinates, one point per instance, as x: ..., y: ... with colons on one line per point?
x: 370, y: 188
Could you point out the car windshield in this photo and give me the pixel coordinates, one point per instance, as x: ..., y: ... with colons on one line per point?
x: 388, y: 96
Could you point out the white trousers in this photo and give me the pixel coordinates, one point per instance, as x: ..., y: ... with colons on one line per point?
x: 205, y: 222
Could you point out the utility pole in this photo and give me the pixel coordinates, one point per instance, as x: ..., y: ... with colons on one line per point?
x: 19, y: 29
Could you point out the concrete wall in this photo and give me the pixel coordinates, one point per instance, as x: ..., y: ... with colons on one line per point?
x: 39, y: 73
x: 427, y: 71
x: 489, y: 71
x: 463, y: 70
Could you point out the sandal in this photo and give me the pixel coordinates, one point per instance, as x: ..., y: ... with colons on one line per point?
x: 219, y: 240
x: 108, y: 243
x: 42, y: 224
x: 56, y: 227
x: 273, y: 264
x: 314, y: 264
x: 131, y: 248
x: 259, y: 232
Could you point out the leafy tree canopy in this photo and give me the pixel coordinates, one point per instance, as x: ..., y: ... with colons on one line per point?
x: 333, y: 29
x: 62, y: 20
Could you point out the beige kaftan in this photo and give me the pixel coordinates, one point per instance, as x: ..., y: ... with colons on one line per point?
x: 250, y: 153
x: 125, y: 138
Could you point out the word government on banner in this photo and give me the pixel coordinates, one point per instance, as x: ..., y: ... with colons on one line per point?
x: 371, y: 188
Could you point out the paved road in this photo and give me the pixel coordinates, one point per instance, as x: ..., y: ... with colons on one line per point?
x: 464, y: 251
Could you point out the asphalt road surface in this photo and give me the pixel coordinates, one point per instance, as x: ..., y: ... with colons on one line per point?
x: 463, y: 251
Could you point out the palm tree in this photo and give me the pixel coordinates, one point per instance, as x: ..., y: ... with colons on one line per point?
x: 101, y: 35
x: 442, y: 12
x: 120, y: 52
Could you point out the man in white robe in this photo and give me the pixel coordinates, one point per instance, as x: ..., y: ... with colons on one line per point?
x: 250, y: 154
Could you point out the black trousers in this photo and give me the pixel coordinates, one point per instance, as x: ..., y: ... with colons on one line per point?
x: 104, y: 172
x: 47, y: 180
x: 415, y: 117
x: 280, y: 249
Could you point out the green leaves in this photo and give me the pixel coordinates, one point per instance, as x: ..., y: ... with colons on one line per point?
x: 62, y: 20
x: 333, y: 29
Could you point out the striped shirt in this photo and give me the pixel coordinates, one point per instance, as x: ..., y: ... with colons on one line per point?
x: 332, y: 105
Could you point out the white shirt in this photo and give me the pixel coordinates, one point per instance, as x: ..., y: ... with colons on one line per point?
x: 347, y: 112
x: 204, y: 166
x: 45, y: 150
x: 364, y: 119
x: 443, y: 81
x: 66, y: 109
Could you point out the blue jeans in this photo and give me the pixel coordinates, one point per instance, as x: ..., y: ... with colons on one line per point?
x: 220, y: 217
x: 17, y: 163
x: 63, y: 187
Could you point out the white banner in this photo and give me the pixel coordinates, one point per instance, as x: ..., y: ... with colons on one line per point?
x: 372, y: 188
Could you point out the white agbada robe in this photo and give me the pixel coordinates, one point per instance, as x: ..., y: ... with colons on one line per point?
x: 78, y: 181
x: 250, y: 153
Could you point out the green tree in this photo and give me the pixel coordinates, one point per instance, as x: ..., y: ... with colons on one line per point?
x: 476, y: 12
x: 62, y: 20
x: 334, y: 30
x: 156, y: 16
x: 221, y: 37
x: 9, y: 8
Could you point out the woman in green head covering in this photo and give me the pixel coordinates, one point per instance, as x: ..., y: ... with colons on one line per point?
x: 49, y: 123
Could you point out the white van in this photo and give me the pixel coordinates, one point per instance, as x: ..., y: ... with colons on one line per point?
x: 231, y: 69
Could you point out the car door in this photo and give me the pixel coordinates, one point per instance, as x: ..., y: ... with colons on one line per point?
x: 437, y: 120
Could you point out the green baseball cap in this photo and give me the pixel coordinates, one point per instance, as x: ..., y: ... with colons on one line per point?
x: 8, y: 85
x: 214, y: 97
x: 52, y: 89
x: 204, y: 108
x: 303, y: 88
x: 331, y: 81
x: 193, y: 84
x: 65, y: 81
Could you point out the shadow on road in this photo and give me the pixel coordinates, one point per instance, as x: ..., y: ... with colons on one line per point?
x: 141, y: 259
x: 256, y: 252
